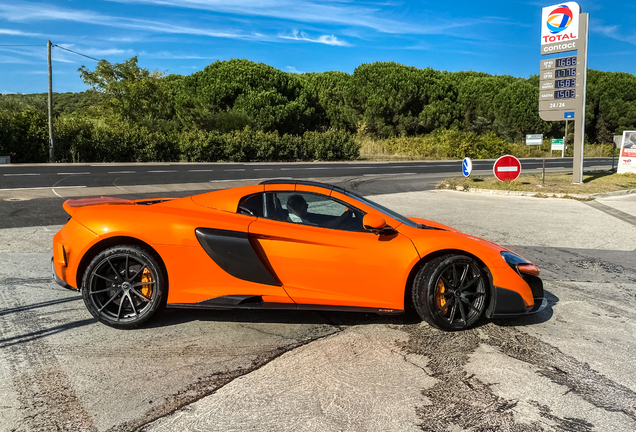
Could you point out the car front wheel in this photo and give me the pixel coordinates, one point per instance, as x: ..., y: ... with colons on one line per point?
x: 449, y: 292
x: 124, y: 286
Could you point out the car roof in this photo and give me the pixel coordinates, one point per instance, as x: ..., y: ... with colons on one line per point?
x: 303, y: 182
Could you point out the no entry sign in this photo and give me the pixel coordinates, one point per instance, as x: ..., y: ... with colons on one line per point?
x: 507, y: 168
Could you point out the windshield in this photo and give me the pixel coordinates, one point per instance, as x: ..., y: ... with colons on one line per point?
x: 406, y: 221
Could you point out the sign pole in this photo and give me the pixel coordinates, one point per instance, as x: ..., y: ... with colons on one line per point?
x: 50, y: 100
x: 579, y: 129
x: 565, y: 138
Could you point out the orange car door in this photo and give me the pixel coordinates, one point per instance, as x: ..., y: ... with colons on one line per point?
x: 345, y: 266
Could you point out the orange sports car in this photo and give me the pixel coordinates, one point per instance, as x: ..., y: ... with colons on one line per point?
x: 283, y: 245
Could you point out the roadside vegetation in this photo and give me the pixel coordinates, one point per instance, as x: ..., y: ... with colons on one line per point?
x: 594, y: 182
x: 238, y: 110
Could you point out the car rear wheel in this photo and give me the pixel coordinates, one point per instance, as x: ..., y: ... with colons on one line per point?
x: 449, y: 292
x: 124, y: 286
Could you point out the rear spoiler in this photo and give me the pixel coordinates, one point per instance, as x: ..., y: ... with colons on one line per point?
x: 71, y: 206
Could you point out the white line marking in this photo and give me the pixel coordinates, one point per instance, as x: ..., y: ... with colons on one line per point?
x: 45, y: 187
x: 507, y: 169
x: 10, y: 175
x: 242, y: 169
x: 122, y: 172
x: 200, y: 170
x: 162, y: 171
x: 263, y: 169
x: 303, y: 168
x: 389, y: 174
x: 73, y: 173
x: 252, y: 179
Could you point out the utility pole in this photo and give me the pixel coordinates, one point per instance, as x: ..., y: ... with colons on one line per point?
x: 51, y: 153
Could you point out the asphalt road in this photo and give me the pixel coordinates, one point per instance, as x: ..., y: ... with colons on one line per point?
x: 570, y: 368
x: 60, y: 176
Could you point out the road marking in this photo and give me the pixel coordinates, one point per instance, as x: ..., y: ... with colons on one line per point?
x: 200, y: 170
x: 252, y: 179
x: 45, y: 187
x: 162, y: 171
x: 122, y: 172
x: 29, y: 174
x: 303, y: 168
x: 242, y: 169
x: 388, y: 174
x: 263, y: 169
x: 625, y: 217
x: 73, y: 173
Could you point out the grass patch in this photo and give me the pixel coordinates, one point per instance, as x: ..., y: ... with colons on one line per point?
x: 452, y: 144
x: 555, y: 183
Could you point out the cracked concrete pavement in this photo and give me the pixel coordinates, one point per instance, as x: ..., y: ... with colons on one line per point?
x: 569, y: 368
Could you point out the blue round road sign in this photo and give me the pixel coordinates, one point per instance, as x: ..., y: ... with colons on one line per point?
x: 467, y: 167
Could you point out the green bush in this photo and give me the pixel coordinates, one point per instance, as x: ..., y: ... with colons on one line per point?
x: 24, y: 135
x: 82, y: 139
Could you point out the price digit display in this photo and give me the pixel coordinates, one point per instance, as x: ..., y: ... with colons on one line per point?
x: 567, y: 61
x: 561, y: 73
x: 564, y: 94
x: 565, y: 83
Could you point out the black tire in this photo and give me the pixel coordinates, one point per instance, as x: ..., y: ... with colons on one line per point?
x: 124, y: 286
x: 449, y: 292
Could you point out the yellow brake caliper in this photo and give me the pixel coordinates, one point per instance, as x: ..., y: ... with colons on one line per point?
x: 146, y: 289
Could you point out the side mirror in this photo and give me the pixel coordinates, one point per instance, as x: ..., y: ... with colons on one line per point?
x: 373, y: 223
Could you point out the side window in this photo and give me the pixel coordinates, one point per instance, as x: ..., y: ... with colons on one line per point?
x: 251, y: 205
x: 312, y: 209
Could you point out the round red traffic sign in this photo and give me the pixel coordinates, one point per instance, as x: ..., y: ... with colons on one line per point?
x: 507, y: 168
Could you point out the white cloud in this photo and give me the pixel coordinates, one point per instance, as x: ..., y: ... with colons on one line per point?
x: 323, y: 39
x: 176, y: 56
x: 106, y: 52
x: 292, y: 69
x: 615, y: 32
x: 17, y: 33
x: 30, y: 12
x: 306, y: 11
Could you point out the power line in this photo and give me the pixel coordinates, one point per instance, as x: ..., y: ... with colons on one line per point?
x: 74, y: 52
x: 21, y: 45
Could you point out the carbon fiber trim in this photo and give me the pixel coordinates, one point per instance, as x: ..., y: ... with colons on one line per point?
x: 234, y: 253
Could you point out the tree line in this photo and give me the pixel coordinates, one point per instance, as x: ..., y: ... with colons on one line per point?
x: 240, y: 98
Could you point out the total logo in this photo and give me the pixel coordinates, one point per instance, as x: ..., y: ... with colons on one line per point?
x: 560, y: 23
x: 559, y: 19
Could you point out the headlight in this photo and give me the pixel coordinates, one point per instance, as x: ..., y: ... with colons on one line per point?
x: 519, y: 264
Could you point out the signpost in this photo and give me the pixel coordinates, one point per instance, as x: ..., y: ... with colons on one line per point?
x: 557, y: 144
x: 507, y: 168
x: 534, y: 139
x: 564, y: 29
x: 467, y: 167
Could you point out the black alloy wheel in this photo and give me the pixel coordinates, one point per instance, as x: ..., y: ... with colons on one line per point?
x: 449, y: 292
x: 124, y: 286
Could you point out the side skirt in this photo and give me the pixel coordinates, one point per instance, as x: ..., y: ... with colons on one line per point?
x: 256, y: 302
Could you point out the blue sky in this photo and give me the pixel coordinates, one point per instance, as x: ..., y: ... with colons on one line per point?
x: 183, y: 36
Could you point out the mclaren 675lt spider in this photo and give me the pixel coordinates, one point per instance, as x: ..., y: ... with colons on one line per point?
x: 283, y: 245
